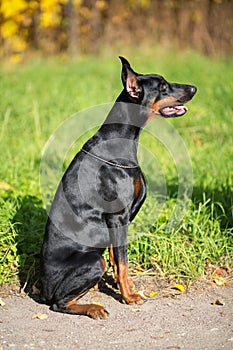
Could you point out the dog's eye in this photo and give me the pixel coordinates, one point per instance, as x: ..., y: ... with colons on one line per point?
x: 163, y: 87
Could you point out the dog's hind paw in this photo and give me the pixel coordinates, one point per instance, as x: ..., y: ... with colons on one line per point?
x: 96, y: 311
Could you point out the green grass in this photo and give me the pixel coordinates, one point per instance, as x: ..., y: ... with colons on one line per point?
x: 38, y: 96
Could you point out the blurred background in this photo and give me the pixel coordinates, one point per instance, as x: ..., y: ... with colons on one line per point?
x: 75, y: 27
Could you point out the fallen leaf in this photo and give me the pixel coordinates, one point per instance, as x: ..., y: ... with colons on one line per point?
x: 40, y: 316
x: 218, y: 302
x: 95, y: 288
x: 136, y: 310
x: 179, y: 287
x: 151, y: 295
x: 97, y: 303
x: 5, y: 186
x: 2, y: 303
x: 219, y: 280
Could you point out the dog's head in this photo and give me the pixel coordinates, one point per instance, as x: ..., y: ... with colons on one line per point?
x: 153, y: 91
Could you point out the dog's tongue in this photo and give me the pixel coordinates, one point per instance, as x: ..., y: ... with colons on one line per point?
x: 175, y: 110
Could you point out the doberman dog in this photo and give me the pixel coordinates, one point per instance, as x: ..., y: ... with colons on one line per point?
x: 100, y: 194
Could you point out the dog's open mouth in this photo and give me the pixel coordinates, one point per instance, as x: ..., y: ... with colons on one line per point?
x: 173, y: 111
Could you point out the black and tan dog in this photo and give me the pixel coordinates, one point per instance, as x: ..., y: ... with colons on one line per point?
x: 100, y: 194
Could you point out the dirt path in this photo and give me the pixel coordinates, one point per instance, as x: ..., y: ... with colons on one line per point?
x: 187, y: 321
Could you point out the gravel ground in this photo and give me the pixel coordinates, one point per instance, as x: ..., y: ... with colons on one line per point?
x: 170, y: 320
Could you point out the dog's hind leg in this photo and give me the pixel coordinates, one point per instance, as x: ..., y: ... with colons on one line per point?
x: 84, y: 273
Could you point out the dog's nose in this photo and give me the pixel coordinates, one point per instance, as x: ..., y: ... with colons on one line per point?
x: 193, y: 90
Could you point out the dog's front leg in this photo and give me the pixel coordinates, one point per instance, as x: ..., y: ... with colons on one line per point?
x: 115, y: 269
x: 121, y: 262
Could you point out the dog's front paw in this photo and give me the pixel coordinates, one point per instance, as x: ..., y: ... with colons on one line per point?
x: 133, y: 298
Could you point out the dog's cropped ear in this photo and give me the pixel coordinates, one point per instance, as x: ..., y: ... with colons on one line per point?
x: 129, y: 79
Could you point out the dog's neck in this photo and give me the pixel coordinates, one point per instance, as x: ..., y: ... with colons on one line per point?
x: 127, y: 114
x: 120, y: 131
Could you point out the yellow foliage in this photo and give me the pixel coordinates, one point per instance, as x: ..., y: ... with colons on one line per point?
x: 18, y: 43
x: 50, y: 12
x: 51, y: 5
x: 142, y: 3
x: 33, y: 5
x: 77, y: 3
x: 18, y: 16
x: 9, y: 28
x: 49, y: 19
x: 101, y: 5
x: 10, y: 8
x: 48, y: 5
x: 15, y: 58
